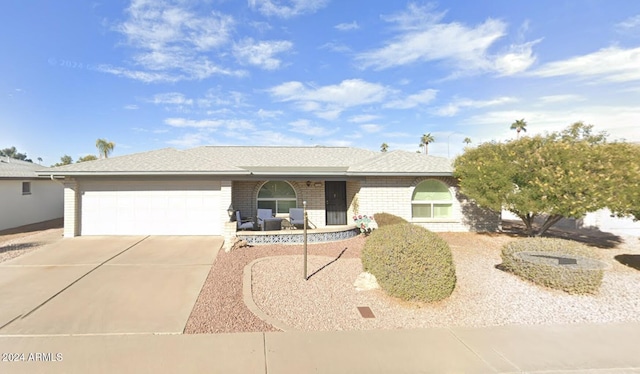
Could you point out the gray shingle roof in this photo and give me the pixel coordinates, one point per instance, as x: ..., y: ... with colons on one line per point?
x: 401, y: 162
x: 247, y: 160
x: 12, y: 168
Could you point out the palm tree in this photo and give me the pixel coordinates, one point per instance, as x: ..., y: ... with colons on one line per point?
x: 467, y: 141
x: 40, y: 160
x: 425, y: 140
x: 519, y: 125
x: 384, y: 147
x: 104, y: 147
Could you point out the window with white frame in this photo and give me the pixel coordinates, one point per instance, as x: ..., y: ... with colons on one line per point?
x: 278, y: 196
x: 26, y: 188
x: 431, y: 199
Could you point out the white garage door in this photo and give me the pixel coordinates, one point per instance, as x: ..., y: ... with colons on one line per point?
x: 151, y: 208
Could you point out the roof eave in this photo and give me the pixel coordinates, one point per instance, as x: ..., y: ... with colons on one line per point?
x: 138, y: 173
x: 401, y: 174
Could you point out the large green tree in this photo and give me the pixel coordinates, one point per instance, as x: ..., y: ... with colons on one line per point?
x: 64, y: 160
x: 87, y: 158
x: 12, y: 152
x: 565, y: 174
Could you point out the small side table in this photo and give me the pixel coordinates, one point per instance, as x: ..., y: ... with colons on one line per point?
x: 272, y: 224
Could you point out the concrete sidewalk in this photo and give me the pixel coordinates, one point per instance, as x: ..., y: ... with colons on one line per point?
x: 611, y: 348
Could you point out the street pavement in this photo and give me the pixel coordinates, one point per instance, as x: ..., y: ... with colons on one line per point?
x: 588, y: 348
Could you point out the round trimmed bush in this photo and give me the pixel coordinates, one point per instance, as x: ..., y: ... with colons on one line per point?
x: 538, y: 260
x: 410, y: 262
x: 386, y: 219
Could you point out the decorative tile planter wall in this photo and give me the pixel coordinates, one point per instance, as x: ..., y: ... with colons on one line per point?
x: 296, y: 237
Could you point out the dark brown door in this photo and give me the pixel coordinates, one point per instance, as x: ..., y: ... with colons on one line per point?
x: 336, y: 202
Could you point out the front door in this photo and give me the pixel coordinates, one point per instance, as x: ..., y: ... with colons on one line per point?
x: 336, y: 202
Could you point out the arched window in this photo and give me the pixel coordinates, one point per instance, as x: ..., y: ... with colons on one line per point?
x: 431, y: 199
x: 278, y: 196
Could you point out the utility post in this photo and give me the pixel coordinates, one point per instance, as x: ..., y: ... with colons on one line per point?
x: 304, y: 235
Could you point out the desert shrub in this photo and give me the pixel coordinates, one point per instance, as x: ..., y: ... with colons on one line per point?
x: 410, y: 262
x: 386, y: 219
x: 584, y: 277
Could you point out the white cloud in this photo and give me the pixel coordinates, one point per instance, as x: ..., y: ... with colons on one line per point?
x: 618, y: 121
x: 191, y: 140
x: 363, y: 118
x: 560, y: 98
x: 171, y: 98
x: 269, y: 113
x: 455, y: 106
x: 329, y: 101
x: 131, y: 107
x: 347, y: 26
x: 421, y: 98
x: 217, y: 97
x: 611, y: 64
x: 371, y: 128
x: 631, y: 25
x: 423, y: 37
x: 262, y: 53
x: 335, y: 47
x: 183, y: 122
x: 304, y: 126
x: 232, y: 124
x: 172, y: 42
x: 287, y: 8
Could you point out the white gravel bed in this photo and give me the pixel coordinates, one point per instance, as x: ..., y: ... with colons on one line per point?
x: 484, y: 295
x: 29, y: 242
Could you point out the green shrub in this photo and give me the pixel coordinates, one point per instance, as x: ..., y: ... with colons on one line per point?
x: 386, y: 219
x: 410, y: 262
x: 584, y: 277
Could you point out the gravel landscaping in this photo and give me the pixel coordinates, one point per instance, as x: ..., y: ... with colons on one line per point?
x: 25, y: 239
x: 484, y: 295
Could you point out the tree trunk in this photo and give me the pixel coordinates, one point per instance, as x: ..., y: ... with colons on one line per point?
x: 528, y: 222
x: 551, y: 220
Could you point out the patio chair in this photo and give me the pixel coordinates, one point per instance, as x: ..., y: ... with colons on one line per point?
x: 262, y: 215
x: 243, y: 225
x: 296, y: 216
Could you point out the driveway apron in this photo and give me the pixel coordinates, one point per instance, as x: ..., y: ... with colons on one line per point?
x: 103, y: 285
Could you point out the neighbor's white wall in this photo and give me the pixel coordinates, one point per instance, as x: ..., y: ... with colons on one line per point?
x: 603, y: 220
x: 44, y: 203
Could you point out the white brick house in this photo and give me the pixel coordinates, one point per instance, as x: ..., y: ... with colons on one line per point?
x: 173, y: 192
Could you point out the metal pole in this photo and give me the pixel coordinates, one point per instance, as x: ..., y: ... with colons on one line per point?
x: 304, y: 235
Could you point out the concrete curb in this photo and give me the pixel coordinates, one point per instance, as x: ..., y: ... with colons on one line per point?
x: 247, y: 295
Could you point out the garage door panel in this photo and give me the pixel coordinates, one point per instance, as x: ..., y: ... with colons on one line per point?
x: 151, y: 208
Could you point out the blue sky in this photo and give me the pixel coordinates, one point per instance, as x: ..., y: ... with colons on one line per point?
x: 149, y: 74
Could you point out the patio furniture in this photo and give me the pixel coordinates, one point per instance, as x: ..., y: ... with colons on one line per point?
x: 272, y: 224
x: 262, y: 215
x: 243, y: 224
x: 296, y: 216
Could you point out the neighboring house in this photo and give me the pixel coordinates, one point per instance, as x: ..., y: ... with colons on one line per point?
x: 25, y: 197
x: 173, y: 192
x: 602, y: 220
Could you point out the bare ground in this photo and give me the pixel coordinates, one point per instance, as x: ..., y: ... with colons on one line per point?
x: 484, y: 295
x: 24, y: 239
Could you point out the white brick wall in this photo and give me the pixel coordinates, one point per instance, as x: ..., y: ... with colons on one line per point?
x: 374, y: 195
x: 245, y: 194
x: 71, y: 200
x: 393, y: 195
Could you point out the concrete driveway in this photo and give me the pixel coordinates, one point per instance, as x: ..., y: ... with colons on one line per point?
x: 104, y: 285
